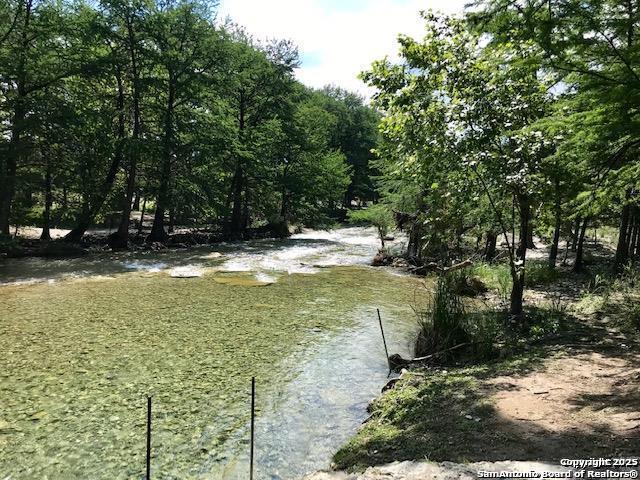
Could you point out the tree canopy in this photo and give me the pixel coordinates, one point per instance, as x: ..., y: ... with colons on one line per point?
x: 516, y: 117
x: 156, y: 107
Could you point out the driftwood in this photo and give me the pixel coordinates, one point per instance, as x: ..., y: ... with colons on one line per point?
x: 396, y: 360
x: 428, y: 357
x: 434, y: 267
x: 458, y: 266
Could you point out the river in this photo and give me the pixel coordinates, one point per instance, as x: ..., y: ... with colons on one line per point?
x: 83, y: 342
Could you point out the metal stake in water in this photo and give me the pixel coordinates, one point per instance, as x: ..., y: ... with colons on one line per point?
x: 148, y: 438
x: 253, y: 421
x: 384, y: 341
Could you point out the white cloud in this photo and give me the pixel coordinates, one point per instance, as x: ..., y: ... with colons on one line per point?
x: 336, y: 43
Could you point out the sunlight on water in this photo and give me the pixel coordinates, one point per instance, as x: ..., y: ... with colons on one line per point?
x: 85, y: 340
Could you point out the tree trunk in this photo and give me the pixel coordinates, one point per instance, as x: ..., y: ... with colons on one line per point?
x: 10, y: 164
x: 634, y: 240
x: 553, y: 252
x: 518, y: 269
x: 48, y: 200
x: 121, y: 239
x: 136, y: 201
x: 144, y: 208
x: 634, y: 247
x: 172, y: 219
x: 235, y: 225
x: 578, y: 264
x: 158, y: 233
x: 622, y: 249
x: 530, y: 243
x: 245, y: 212
x: 490, y: 246
x: 575, y: 233
x: 89, y: 214
x: 9, y: 167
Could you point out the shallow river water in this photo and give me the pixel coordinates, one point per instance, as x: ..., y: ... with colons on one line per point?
x: 84, y: 341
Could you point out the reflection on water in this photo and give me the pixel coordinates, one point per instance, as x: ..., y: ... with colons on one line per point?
x: 80, y: 354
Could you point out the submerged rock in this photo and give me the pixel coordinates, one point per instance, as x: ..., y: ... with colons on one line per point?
x: 186, y: 272
x: 242, y: 281
x: 396, y: 362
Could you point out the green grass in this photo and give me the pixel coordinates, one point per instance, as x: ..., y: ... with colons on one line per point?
x: 497, y: 277
x: 540, y: 273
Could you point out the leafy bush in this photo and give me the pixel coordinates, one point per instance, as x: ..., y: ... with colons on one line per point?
x: 496, y: 277
x: 485, y: 328
x: 547, y: 319
x: 631, y: 315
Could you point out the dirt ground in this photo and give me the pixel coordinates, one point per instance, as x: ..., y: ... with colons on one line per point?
x: 578, y: 397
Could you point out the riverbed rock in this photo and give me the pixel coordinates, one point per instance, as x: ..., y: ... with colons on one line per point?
x: 382, y: 259
x: 186, y: 272
x: 396, y: 362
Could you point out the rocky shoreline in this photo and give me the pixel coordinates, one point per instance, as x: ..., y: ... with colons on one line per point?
x: 92, y: 243
x: 409, y: 470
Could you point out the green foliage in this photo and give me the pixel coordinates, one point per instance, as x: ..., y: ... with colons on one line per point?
x: 540, y: 273
x: 497, y: 277
x: 113, y: 99
x: 631, y: 315
x: 516, y: 116
x: 377, y: 215
x: 449, y: 323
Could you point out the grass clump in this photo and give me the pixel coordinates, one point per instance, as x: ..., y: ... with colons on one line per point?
x: 540, y: 273
x: 440, y: 416
x: 442, y: 325
x: 446, y: 324
x: 497, y: 277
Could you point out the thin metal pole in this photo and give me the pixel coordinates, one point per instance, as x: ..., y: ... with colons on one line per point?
x: 253, y: 421
x: 148, y: 437
x: 383, y: 339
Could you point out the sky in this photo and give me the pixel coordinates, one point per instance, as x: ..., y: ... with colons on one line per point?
x: 337, y: 39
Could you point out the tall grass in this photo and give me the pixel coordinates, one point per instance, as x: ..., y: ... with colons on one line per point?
x: 496, y: 277
x: 446, y: 324
x: 441, y: 326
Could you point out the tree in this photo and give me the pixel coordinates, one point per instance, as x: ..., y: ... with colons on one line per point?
x: 43, y: 43
x: 458, y: 112
x: 377, y: 215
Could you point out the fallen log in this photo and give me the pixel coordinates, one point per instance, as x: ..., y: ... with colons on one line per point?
x: 434, y: 267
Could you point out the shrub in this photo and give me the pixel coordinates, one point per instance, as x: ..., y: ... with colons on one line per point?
x: 631, y: 315
x: 377, y: 215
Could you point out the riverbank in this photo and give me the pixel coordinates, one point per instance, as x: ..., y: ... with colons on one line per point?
x: 565, y: 388
x: 28, y: 243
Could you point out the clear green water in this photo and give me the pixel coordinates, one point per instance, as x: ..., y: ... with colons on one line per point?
x: 84, y: 341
